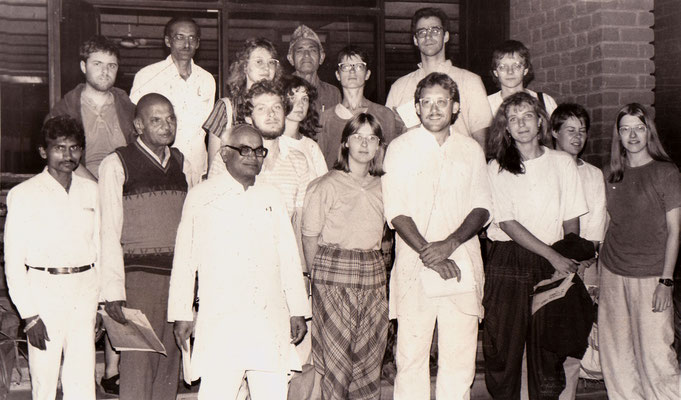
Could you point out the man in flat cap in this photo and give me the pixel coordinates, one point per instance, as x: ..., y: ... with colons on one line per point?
x: 306, y: 54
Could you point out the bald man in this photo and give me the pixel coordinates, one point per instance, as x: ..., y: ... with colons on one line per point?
x: 142, y: 189
x: 253, y: 300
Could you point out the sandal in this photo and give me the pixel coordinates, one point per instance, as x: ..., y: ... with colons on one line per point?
x: 110, y: 385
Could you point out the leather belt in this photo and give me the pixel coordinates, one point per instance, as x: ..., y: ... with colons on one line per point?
x: 63, y: 270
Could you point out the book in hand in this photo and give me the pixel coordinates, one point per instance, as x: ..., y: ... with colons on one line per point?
x: 136, y: 335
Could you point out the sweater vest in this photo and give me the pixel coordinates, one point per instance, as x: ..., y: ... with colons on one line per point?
x: 152, y: 206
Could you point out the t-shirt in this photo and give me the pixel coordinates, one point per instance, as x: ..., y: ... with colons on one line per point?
x: 637, y: 233
x: 592, y: 224
x: 312, y: 152
x: 344, y: 211
x: 541, y: 199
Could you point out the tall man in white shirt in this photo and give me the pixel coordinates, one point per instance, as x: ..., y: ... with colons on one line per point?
x: 190, y: 88
x: 437, y: 197
x: 236, y: 233
x: 51, y: 264
x: 142, y: 188
x: 429, y: 30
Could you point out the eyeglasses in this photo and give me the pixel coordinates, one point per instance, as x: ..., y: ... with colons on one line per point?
x: 625, y: 130
x: 432, y: 31
x: 371, y: 139
x: 346, y: 67
x: 527, y: 117
x: 440, y: 102
x: 245, y: 151
x: 261, y: 64
x: 508, y: 68
x: 178, y: 37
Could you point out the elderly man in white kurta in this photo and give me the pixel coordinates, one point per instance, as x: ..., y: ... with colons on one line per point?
x: 437, y: 196
x: 190, y: 88
x: 236, y: 233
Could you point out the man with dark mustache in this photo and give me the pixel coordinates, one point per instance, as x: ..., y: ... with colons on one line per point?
x: 142, y: 187
x: 52, y: 264
x: 105, y: 111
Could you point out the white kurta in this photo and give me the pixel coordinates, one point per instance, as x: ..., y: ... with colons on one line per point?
x: 250, y: 277
x: 437, y: 186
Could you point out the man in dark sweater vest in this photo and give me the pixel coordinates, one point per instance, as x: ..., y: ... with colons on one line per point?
x: 144, y: 185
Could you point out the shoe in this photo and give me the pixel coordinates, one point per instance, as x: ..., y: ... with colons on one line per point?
x: 110, y: 385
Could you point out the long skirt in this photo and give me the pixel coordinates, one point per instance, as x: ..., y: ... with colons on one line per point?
x: 349, y: 322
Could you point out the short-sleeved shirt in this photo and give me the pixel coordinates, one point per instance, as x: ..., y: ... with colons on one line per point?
x: 312, y: 152
x: 636, y: 238
x: 475, y: 113
x: 332, y: 129
x: 592, y: 224
x: 328, y: 95
x: 103, y: 133
x: 290, y: 174
x: 495, y: 101
x: 548, y: 193
x: 344, y: 211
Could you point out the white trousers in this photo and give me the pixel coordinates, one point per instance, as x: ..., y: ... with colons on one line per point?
x: 67, y: 306
x: 224, y: 384
x: 636, y: 351
x: 457, y: 347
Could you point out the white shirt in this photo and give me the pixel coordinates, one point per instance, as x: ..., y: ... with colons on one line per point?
x: 437, y: 187
x: 547, y: 194
x: 312, y: 152
x: 192, y: 101
x: 250, y: 277
x: 48, y: 227
x: 111, y: 180
x: 495, y: 101
x: 592, y: 224
x: 474, y: 115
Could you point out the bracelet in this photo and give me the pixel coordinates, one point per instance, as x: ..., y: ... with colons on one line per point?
x: 31, y: 325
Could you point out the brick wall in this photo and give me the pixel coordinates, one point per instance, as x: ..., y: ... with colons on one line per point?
x: 667, y: 75
x: 593, y: 52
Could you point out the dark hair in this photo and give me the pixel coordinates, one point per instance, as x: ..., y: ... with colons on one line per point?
x: 426, y: 13
x: 176, y: 20
x: 352, y: 50
x: 352, y: 127
x: 309, y: 125
x: 437, y: 79
x: 618, y: 153
x: 260, y: 88
x: 61, y: 126
x: 236, y: 81
x: 98, y: 43
x: 509, y: 48
x: 567, y: 110
x: 501, y: 145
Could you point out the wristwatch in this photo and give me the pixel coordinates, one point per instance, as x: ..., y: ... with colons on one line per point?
x: 667, y: 282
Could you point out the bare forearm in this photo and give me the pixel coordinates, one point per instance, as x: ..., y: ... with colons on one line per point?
x: 213, y: 148
x: 571, y: 226
x: 470, y: 226
x: 406, y: 228
x: 523, y: 237
x: 310, y: 249
x: 480, y: 137
x: 671, y: 250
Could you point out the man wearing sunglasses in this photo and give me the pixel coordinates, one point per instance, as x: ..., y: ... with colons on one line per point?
x: 236, y: 233
x: 353, y: 72
x: 429, y: 29
x: 190, y: 88
x: 437, y: 197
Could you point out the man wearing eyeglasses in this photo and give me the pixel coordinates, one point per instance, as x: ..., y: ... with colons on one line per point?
x: 429, y: 29
x: 235, y: 231
x: 353, y: 72
x: 306, y: 54
x: 142, y: 188
x: 437, y: 197
x: 190, y: 88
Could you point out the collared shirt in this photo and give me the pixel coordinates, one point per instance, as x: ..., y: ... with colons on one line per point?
x: 48, y: 227
x: 328, y: 95
x: 242, y: 244
x: 103, y: 133
x: 495, y: 101
x: 592, y: 224
x: 475, y: 112
x: 111, y: 180
x: 192, y: 101
x: 541, y: 199
x: 437, y: 186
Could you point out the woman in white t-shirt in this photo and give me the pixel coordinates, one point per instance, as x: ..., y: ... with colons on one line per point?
x: 512, y: 71
x: 537, y: 198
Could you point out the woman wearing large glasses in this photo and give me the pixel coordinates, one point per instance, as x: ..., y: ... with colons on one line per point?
x: 635, y: 314
x: 538, y: 198
x: 342, y: 231
x: 256, y: 61
x: 512, y: 71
